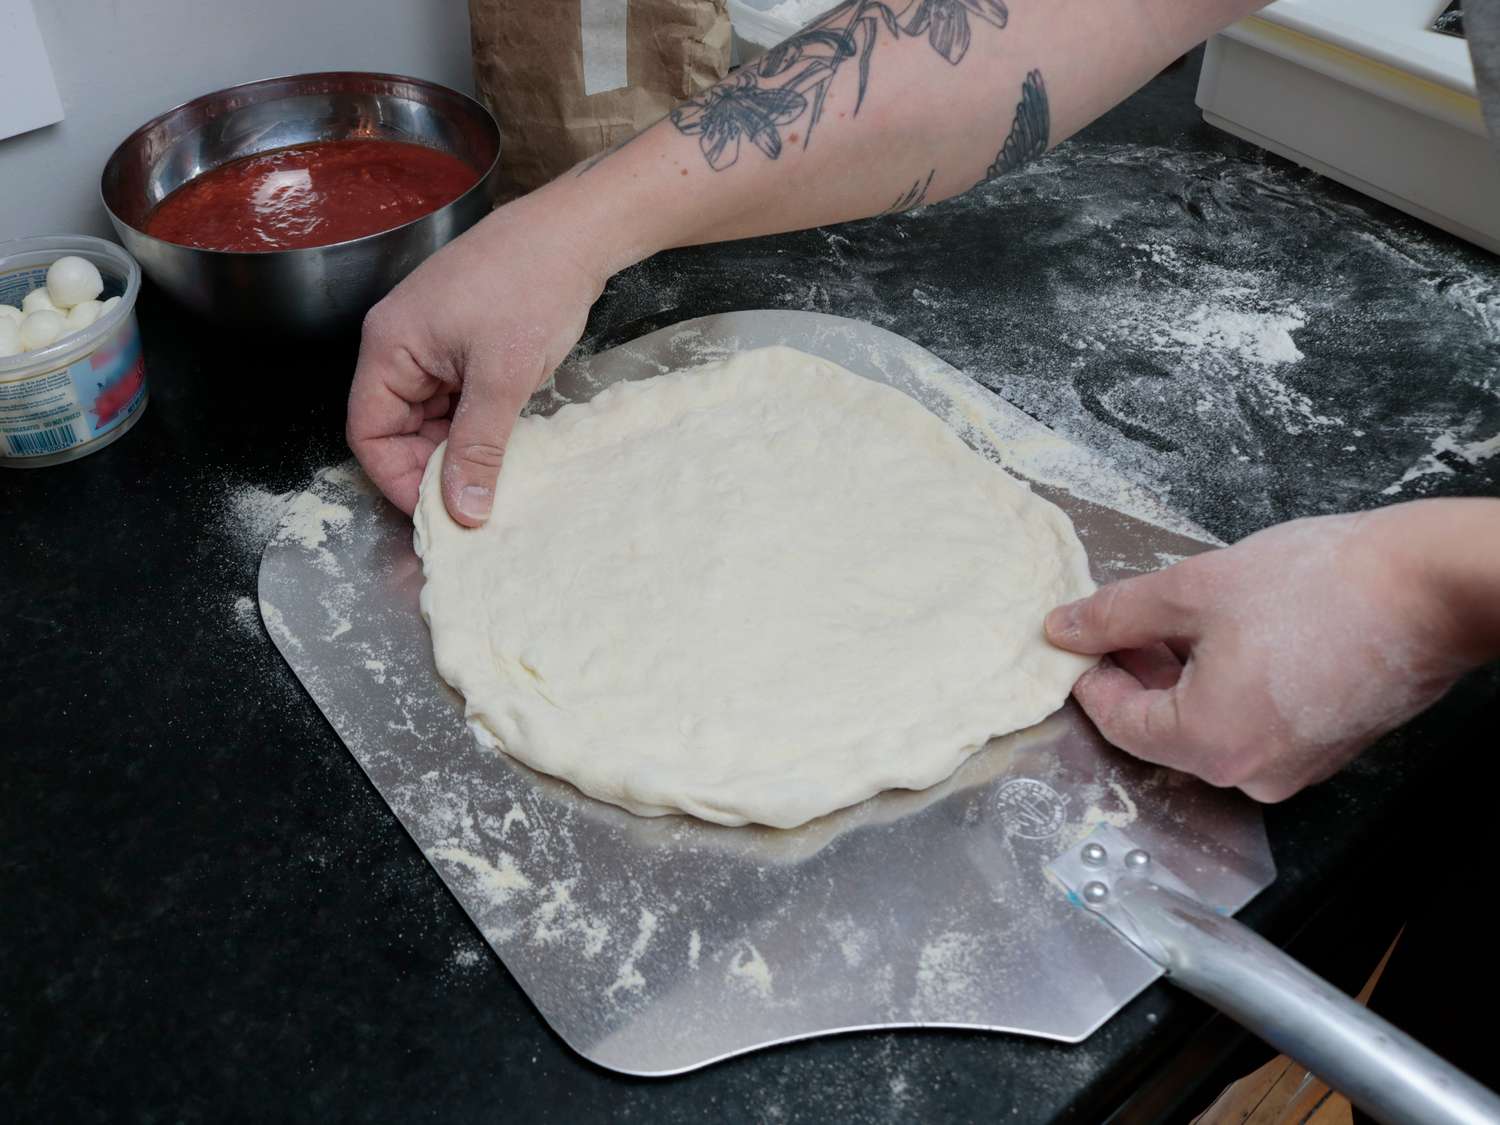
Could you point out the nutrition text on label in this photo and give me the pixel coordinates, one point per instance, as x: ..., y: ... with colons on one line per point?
x: 37, y: 413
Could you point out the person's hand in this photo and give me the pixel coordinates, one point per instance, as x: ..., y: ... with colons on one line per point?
x: 1270, y: 664
x: 456, y: 349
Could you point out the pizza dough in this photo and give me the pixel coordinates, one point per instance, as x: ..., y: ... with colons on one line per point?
x: 758, y: 590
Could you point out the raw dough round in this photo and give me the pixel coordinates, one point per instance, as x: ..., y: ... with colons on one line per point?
x: 759, y: 590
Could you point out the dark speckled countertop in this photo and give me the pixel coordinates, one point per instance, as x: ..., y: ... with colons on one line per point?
x: 206, y: 913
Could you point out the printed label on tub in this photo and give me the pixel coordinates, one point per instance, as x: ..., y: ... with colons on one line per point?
x: 55, y: 411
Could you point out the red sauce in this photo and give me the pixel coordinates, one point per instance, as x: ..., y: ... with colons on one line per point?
x: 310, y: 195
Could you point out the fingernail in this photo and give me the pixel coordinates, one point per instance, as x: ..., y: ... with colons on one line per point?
x: 1062, y: 622
x: 475, y: 501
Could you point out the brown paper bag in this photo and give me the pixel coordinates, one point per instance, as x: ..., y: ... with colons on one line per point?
x: 568, y: 78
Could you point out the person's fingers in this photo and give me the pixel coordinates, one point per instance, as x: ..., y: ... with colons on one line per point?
x: 1155, y: 666
x: 1158, y: 726
x: 1133, y: 613
x: 482, y: 421
x: 1144, y: 722
x: 1271, y: 789
x: 387, y: 423
x: 402, y: 461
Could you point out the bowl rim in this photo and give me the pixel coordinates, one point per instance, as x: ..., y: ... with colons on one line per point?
x: 484, y: 176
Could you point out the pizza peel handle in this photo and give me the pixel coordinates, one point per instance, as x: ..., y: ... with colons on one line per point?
x: 1382, y: 1070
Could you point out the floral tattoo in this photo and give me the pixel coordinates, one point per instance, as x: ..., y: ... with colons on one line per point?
x: 738, y: 108
x: 1029, y: 130
x: 749, y: 107
x: 914, y: 196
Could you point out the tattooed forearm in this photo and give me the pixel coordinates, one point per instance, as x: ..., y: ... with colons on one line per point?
x: 790, y: 82
x: 1029, y: 129
x: 914, y: 196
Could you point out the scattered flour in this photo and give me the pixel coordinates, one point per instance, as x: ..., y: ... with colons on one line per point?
x: 1163, y: 254
x: 899, y: 1085
x: 253, y: 516
x: 496, y: 881
x: 1121, y: 817
x: 629, y: 978
x: 308, y: 519
x: 748, y: 969
x: 1446, y: 443
x: 854, y: 942
x: 338, y: 604
x: 1262, y: 338
x: 695, y: 949
x: 1229, y: 346
x: 468, y: 957
x: 949, y: 974
x: 276, y: 625
x: 246, y: 615
x: 559, y: 919
x: 514, y: 815
x: 250, y: 516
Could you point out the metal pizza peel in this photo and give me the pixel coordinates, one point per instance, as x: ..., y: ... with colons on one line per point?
x: 1036, y: 891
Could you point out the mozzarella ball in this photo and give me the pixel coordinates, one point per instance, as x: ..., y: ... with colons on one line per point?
x: 108, y: 306
x: 73, y: 280
x: 10, y: 337
x: 81, y: 315
x: 37, y: 300
x: 11, y: 313
x: 40, y: 328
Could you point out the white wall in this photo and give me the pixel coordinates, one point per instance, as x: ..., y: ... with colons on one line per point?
x: 121, y: 62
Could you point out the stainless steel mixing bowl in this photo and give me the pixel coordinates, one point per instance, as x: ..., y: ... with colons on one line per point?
x: 320, y: 288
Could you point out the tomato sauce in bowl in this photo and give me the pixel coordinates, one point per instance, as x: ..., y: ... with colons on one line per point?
x: 310, y: 194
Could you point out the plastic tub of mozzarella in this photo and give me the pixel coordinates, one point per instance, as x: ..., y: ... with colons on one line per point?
x: 67, y: 398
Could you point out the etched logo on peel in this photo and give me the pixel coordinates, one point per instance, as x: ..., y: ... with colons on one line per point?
x: 1031, y: 809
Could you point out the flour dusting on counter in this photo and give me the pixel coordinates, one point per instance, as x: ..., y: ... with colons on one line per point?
x: 309, y: 518
x: 250, y: 515
x: 1208, y: 325
x: 247, y: 615
x: 1447, y: 455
